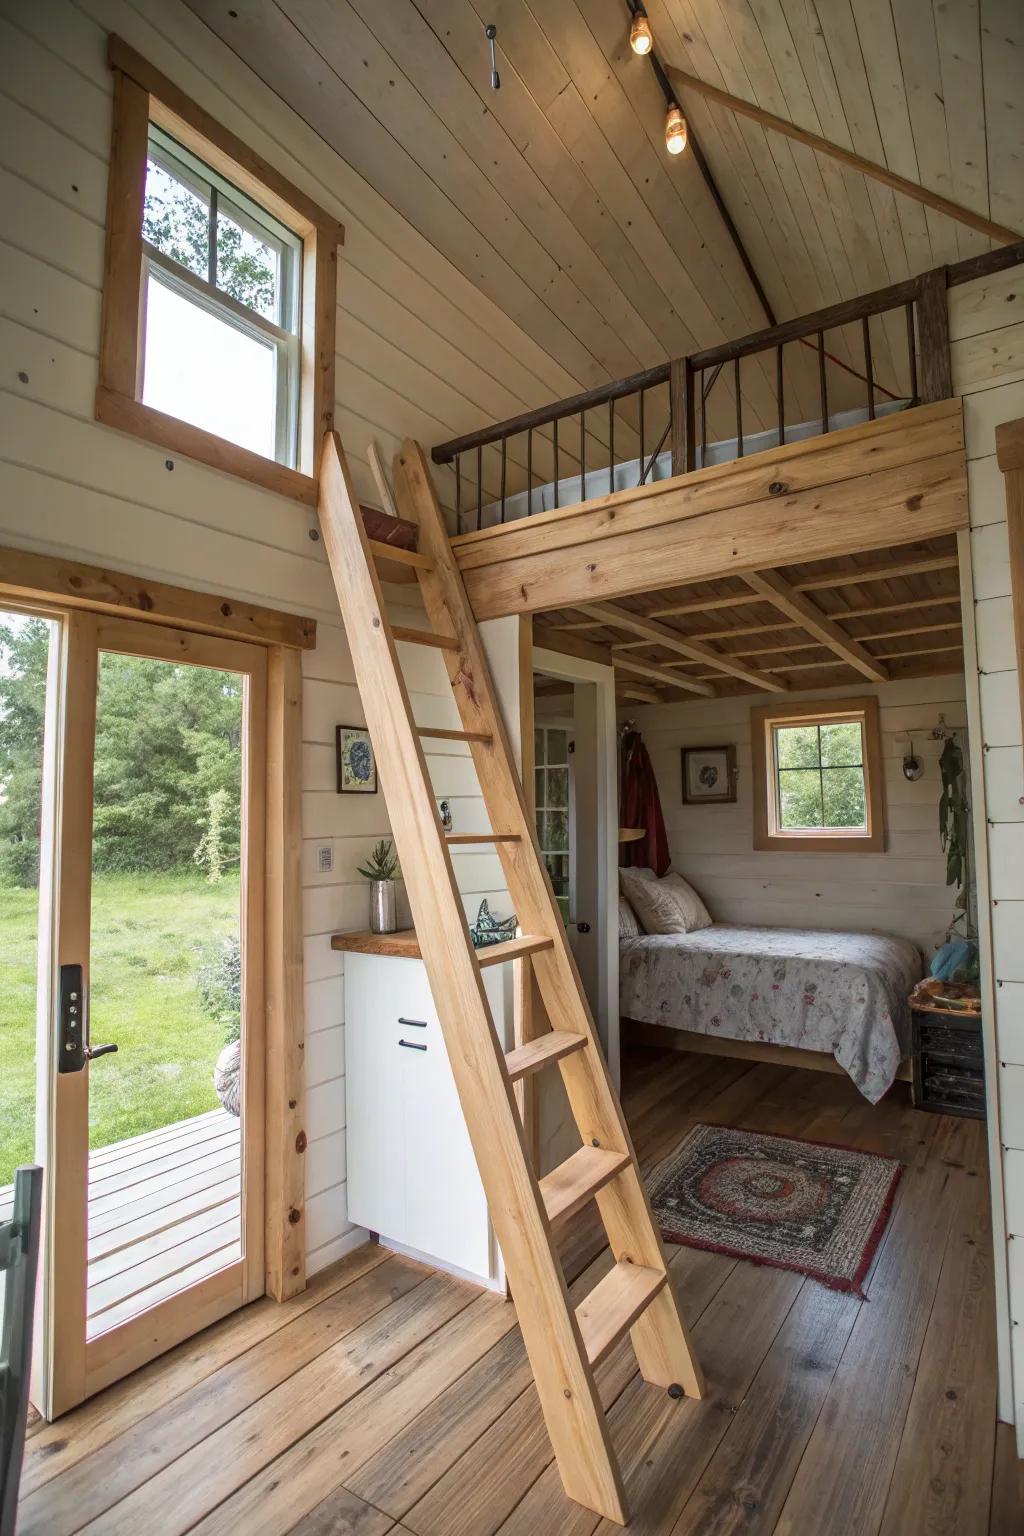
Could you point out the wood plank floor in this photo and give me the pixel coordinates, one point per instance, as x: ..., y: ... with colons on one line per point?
x: 164, y: 1210
x: 391, y: 1399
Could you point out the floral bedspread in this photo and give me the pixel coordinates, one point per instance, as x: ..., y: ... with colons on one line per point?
x: 840, y: 992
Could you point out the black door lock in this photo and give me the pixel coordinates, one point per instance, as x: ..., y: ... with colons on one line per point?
x: 73, y: 1049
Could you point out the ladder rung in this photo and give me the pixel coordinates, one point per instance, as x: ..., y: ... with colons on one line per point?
x: 569, y: 1186
x: 482, y: 837
x: 440, y: 735
x: 424, y: 637
x: 512, y: 949
x: 401, y: 556
x: 614, y: 1305
x: 537, y: 1053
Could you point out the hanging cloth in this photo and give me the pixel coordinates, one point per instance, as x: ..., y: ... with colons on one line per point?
x: 640, y: 806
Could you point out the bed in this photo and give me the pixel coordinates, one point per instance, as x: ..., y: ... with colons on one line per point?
x: 807, y: 989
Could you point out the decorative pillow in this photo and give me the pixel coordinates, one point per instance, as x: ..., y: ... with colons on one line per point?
x: 670, y: 905
x: 629, y: 928
x: 489, y: 929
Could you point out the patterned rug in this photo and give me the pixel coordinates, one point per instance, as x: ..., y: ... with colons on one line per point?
x: 801, y: 1205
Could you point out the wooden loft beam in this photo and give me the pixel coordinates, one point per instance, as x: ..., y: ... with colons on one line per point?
x: 874, y: 609
x: 774, y: 589
x: 841, y: 494
x: 664, y: 675
x: 639, y: 694
x: 911, y: 189
x: 888, y: 572
x: 660, y: 634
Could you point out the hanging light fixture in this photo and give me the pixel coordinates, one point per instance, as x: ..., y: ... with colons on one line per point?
x: 641, y: 38
x: 675, y: 129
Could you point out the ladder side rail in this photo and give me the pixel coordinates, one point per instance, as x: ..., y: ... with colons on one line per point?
x: 565, y: 1381
x: 659, y: 1336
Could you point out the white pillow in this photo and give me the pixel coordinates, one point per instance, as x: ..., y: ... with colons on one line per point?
x: 629, y: 928
x: 670, y: 905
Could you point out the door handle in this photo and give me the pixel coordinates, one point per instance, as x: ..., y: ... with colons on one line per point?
x: 410, y: 1045
x: 73, y: 1050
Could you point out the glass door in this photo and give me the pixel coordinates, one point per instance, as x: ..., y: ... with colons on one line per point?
x: 156, y: 1219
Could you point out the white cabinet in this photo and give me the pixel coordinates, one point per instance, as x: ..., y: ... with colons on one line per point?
x: 412, y: 1176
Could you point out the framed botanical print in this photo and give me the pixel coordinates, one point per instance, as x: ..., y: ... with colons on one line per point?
x: 357, y: 766
x: 709, y: 775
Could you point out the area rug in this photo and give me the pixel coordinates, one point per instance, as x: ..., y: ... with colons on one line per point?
x: 802, y: 1205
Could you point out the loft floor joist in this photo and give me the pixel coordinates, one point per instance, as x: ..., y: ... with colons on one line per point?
x: 885, y: 615
x: 897, y: 479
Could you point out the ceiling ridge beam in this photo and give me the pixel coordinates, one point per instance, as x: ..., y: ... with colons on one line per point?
x: 770, y: 585
x: 933, y: 200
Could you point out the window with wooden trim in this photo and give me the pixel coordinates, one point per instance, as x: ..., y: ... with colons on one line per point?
x: 219, y: 292
x: 817, y: 774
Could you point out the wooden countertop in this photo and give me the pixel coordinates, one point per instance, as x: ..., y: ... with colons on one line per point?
x: 404, y: 943
x: 405, y: 946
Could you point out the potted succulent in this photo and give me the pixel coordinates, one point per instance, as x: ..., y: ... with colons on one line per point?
x: 382, y: 871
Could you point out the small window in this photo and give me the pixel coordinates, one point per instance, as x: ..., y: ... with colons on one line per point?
x: 817, y: 776
x: 222, y: 293
x: 219, y: 294
x: 553, y: 790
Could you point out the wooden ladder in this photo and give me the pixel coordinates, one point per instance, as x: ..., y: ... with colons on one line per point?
x: 564, y: 1344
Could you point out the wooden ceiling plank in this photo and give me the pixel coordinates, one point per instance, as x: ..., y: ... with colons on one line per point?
x: 663, y: 675
x: 872, y: 610
x: 823, y: 188
x: 877, y: 573
x: 288, y: 62
x: 661, y: 634
x: 789, y: 601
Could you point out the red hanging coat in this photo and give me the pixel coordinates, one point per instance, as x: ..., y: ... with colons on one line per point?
x: 640, y: 806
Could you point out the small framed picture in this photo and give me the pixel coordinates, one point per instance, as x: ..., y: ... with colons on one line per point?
x: 709, y: 775
x: 357, y: 766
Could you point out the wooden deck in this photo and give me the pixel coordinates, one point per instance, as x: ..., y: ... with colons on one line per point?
x: 164, y: 1210
x: 391, y: 1399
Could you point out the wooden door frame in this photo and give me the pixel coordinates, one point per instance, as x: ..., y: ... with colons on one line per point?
x: 80, y: 597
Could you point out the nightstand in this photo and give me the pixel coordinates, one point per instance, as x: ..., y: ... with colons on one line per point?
x: 948, y: 1060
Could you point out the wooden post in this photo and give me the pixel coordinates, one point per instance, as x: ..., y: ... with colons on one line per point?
x: 1010, y: 458
x: 285, y: 1106
x: 933, y: 337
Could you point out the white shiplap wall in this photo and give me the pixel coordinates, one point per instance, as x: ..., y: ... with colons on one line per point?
x: 988, y: 372
x: 420, y: 352
x: 900, y: 891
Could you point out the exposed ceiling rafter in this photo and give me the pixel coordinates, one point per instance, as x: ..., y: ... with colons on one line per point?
x: 672, y: 640
x: 774, y: 589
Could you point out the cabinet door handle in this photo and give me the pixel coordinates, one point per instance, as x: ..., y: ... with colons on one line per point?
x: 412, y: 1045
x: 413, y: 1023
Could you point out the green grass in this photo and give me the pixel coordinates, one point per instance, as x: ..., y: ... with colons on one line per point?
x: 147, y: 934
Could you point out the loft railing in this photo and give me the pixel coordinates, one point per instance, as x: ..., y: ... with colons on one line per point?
x: 501, y: 468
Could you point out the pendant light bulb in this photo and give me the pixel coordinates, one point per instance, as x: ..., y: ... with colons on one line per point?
x: 675, y: 130
x: 641, y: 38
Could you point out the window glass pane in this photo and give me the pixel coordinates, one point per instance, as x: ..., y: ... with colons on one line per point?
x: 558, y: 787
x: 843, y: 793
x: 203, y: 370
x: 558, y: 746
x: 539, y: 786
x: 538, y: 746
x: 796, y: 746
x: 557, y: 831
x: 248, y: 268
x: 176, y: 219
x: 841, y: 745
x: 799, y: 799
